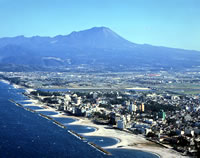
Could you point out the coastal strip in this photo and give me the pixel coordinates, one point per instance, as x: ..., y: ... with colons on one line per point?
x: 99, y: 148
x: 42, y: 115
x: 62, y: 126
x: 54, y: 121
x: 90, y: 143
x: 31, y: 110
x: 76, y: 135
x: 18, y: 104
x: 126, y: 139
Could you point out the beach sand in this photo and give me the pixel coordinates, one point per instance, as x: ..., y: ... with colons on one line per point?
x: 126, y: 140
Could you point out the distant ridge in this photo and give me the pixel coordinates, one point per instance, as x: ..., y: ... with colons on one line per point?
x: 95, y: 46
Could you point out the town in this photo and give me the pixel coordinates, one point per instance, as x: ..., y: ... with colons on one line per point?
x: 167, y: 118
x: 170, y: 120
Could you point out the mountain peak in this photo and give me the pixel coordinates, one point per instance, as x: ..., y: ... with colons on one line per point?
x: 102, y: 28
x: 97, y: 45
x: 97, y: 37
x: 93, y: 30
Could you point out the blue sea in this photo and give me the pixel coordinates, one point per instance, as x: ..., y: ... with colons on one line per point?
x: 24, y: 134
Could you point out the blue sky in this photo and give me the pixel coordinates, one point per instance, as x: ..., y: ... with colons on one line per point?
x: 172, y: 23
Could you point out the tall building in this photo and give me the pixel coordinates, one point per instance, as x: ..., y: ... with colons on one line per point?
x: 67, y: 97
x: 132, y: 107
x: 121, y: 124
x: 162, y: 115
x: 142, y: 107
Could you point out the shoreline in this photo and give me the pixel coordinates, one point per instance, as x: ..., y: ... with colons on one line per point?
x: 83, y: 122
x: 100, y: 149
x: 127, y: 140
x: 124, y: 139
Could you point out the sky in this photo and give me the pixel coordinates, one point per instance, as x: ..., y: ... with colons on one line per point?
x: 171, y: 23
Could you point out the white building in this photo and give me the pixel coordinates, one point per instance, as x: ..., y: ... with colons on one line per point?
x: 132, y: 108
x: 67, y: 97
x: 121, y: 124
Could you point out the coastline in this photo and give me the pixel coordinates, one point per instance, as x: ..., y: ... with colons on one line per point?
x: 4, y: 81
x: 126, y: 140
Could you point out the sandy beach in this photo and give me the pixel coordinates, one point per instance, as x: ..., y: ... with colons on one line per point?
x: 125, y: 140
x: 4, y: 81
x: 14, y: 85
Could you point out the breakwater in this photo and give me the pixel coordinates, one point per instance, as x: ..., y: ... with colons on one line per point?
x: 42, y: 115
x: 63, y: 126
x: 99, y: 148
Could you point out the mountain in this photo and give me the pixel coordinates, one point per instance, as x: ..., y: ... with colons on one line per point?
x: 98, y: 46
x: 97, y: 37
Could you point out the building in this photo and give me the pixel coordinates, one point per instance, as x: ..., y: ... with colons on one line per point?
x: 142, y: 107
x: 121, y: 124
x: 132, y: 107
x: 162, y: 115
x: 67, y: 97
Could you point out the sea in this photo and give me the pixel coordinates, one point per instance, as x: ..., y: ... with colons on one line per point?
x: 24, y: 134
